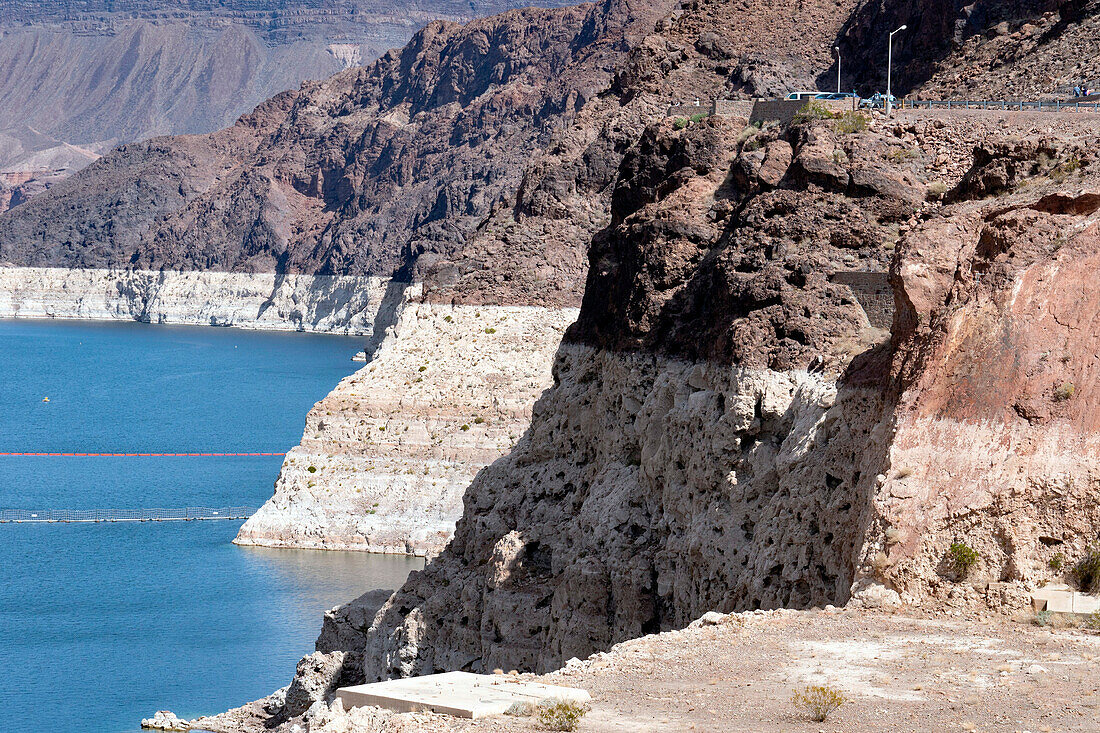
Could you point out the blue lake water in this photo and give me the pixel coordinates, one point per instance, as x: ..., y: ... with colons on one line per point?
x: 103, y: 624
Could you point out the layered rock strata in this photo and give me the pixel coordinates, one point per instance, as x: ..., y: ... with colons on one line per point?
x: 386, y: 457
x: 323, y: 303
x: 997, y: 443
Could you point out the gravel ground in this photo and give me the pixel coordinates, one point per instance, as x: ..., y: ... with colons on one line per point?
x: 899, y: 673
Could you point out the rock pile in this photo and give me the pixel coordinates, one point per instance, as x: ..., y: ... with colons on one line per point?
x: 165, y: 720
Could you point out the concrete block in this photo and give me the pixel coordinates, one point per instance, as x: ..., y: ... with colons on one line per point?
x: 1053, y: 598
x: 461, y: 694
x: 1084, y: 603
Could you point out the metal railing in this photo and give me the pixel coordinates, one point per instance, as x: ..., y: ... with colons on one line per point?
x: 1018, y: 106
x: 187, y: 514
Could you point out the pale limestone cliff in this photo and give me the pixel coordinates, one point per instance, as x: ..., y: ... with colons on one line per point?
x: 386, y: 457
x: 267, y: 301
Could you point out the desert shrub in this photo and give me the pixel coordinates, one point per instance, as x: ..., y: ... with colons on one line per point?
x: 465, y: 428
x: 1066, y: 168
x: 522, y: 709
x: 849, y: 123
x: 812, y: 111
x: 818, y: 701
x: 312, y: 469
x: 1087, y: 571
x: 1092, y: 621
x: 422, y: 369
x: 900, y: 155
x: 749, y: 132
x: 698, y: 117
x: 448, y: 319
x: 1043, y: 618
x: 561, y: 714
x: 936, y: 191
x: 963, y: 557
x: 479, y: 420
x: 1057, y: 562
x: 1064, y: 392
x: 490, y: 330
x: 680, y: 123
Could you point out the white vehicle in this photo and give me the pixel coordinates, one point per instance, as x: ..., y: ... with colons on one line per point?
x: 802, y: 95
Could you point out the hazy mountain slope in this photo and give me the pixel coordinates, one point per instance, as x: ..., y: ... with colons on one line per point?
x: 86, y: 72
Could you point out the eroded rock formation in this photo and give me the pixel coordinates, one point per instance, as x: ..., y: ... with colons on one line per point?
x: 386, y: 457
x: 728, y: 431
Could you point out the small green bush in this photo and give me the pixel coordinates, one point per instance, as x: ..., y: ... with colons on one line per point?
x: 680, y: 123
x: 963, y: 557
x: 1092, y: 621
x: 490, y: 330
x: 1057, y: 562
x: 561, y: 714
x: 936, y: 191
x: 423, y: 369
x: 448, y: 319
x: 1043, y: 618
x: 312, y: 469
x: 1064, y: 392
x: 812, y: 111
x: 522, y: 709
x: 1087, y: 571
x: 698, y: 117
x: 819, y: 701
x: 849, y: 123
x: 479, y: 420
x: 465, y: 428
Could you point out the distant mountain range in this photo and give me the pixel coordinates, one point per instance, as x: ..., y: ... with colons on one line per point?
x: 94, y: 74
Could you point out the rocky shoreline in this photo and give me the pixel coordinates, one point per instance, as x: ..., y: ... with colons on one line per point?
x: 386, y: 458
x: 342, y: 304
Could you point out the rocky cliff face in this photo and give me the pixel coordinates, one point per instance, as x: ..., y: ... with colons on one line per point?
x: 727, y: 430
x: 942, y: 39
x: 385, y: 459
x: 344, y: 177
x: 996, y: 434
x: 736, y: 420
x: 266, y: 301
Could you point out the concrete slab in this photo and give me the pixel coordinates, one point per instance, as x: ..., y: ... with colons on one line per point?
x: 1063, y: 599
x: 461, y: 694
x: 1085, y: 603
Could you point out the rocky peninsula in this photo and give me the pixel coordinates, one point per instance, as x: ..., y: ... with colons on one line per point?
x: 386, y: 458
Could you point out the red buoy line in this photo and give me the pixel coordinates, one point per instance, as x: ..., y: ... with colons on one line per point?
x: 142, y: 455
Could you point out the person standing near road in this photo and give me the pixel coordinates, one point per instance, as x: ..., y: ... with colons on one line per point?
x: 1077, y: 91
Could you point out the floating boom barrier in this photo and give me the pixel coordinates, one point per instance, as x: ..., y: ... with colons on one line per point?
x: 89, y: 516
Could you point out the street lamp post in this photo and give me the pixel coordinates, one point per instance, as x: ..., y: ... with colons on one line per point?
x: 838, y: 62
x: 889, y: 72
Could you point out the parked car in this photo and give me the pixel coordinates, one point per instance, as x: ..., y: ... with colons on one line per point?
x: 878, y: 101
x: 802, y: 95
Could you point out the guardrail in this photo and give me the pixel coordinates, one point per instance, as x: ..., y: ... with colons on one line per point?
x: 187, y: 514
x: 1007, y: 105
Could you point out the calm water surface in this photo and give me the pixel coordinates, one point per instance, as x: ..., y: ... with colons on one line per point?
x: 103, y: 624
